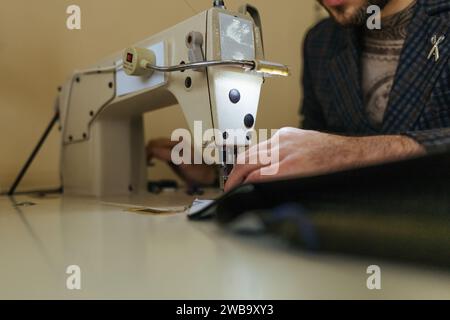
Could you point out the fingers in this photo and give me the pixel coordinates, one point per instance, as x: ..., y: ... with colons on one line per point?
x: 255, y: 177
x: 156, y: 149
x: 164, y: 154
x: 251, y: 155
x: 264, y: 174
x: 239, y: 174
x: 248, y: 162
x: 162, y: 143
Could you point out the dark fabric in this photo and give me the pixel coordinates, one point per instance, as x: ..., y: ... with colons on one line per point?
x: 419, y: 103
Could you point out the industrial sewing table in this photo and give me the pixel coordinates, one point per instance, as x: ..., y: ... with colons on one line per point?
x: 126, y: 255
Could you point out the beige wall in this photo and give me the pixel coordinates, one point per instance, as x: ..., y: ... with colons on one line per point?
x: 37, y: 53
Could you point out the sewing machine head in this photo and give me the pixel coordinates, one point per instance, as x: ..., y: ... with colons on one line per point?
x: 211, y: 65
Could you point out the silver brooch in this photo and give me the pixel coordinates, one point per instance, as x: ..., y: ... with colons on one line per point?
x: 435, y: 41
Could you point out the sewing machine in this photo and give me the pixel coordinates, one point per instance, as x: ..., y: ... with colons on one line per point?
x: 211, y: 65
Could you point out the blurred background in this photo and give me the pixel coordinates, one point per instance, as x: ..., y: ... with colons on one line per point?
x: 38, y: 53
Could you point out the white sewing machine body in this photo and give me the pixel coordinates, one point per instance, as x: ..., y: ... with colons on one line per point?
x: 101, y: 108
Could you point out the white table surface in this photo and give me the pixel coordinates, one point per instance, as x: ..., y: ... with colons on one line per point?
x: 124, y: 255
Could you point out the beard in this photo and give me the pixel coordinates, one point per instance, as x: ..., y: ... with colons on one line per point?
x: 359, y: 15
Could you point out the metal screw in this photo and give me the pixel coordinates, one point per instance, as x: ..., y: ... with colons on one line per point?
x: 188, y: 82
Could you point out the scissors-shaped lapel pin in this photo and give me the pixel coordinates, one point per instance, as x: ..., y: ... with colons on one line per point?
x: 435, y: 41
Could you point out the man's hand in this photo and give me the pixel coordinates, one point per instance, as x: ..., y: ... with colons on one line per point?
x: 303, y: 153
x: 202, y: 174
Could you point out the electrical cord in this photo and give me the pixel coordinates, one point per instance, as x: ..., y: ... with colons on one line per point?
x: 246, y: 64
x: 33, y: 154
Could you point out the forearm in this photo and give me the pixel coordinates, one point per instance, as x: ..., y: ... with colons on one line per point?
x: 410, y: 144
x: 304, y: 153
x: 376, y: 149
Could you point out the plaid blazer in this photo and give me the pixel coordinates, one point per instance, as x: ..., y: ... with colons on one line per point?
x: 419, y: 102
